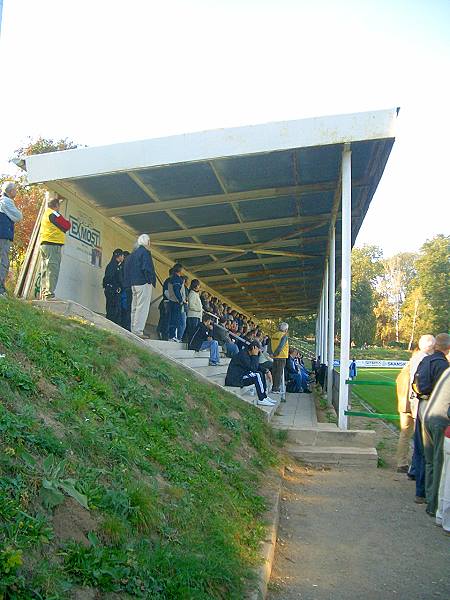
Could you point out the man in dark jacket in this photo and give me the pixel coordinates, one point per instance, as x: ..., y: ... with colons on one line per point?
x: 426, y: 377
x: 202, y: 340
x: 435, y: 420
x: 140, y: 275
x: 126, y: 299
x: 177, y: 302
x: 112, y: 285
x: 244, y: 370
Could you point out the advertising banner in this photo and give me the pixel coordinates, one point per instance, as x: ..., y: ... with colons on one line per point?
x: 377, y: 364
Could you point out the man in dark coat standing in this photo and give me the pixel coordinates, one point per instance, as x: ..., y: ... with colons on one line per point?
x: 140, y: 275
x: 244, y: 370
x: 112, y: 285
x: 426, y: 377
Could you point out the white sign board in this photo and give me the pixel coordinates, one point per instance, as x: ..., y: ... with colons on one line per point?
x: 377, y: 364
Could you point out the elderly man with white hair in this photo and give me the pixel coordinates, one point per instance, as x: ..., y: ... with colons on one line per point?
x: 9, y: 216
x: 140, y: 276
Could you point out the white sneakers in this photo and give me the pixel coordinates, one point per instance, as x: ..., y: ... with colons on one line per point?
x: 267, y: 402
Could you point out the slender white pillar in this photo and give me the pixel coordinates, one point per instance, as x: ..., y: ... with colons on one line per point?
x: 331, y: 311
x: 346, y: 276
x: 322, y: 304
x: 325, y: 316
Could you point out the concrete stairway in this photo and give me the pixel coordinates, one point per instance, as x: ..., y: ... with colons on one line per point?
x: 199, y: 362
x: 322, y: 443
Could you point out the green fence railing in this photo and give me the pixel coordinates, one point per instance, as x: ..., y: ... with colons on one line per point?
x: 371, y: 415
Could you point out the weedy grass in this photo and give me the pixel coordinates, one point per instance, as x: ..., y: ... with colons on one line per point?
x: 121, y: 472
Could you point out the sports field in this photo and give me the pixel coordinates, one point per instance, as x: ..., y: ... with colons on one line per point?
x: 382, y: 399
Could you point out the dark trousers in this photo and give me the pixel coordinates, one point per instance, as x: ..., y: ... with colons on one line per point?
x: 295, y: 384
x: 418, y: 459
x: 277, y: 372
x: 126, y: 299
x: 175, y: 319
x: 191, y: 325
x: 433, y: 446
x: 259, y: 381
x: 113, y: 306
x: 164, y: 317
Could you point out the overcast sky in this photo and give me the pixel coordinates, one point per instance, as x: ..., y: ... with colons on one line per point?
x: 104, y: 71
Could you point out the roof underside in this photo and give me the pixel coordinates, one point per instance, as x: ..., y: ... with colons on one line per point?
x: 253, y: 226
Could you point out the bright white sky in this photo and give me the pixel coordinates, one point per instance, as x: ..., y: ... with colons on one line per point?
x: 104, y: 71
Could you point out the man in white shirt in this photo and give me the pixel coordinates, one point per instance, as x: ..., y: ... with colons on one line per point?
x: 9, y: 216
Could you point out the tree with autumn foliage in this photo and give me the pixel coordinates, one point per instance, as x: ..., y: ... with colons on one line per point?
x: 29, y: 198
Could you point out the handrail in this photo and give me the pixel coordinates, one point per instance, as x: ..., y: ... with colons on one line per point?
x: 367, y: 382
x: 234, y: 335
x: 370, y: 415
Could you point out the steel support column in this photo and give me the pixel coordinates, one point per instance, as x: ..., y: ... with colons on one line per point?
x: 346, y: 175
x: 331, y: 311
x: 325, y: 316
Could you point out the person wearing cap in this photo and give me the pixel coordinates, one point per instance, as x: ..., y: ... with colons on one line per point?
x: 244, y: 370
x: 112, y: 285
x: 52, y: 238
x: 140, y: 276
x: 9, y: 216
x: 280, y: 353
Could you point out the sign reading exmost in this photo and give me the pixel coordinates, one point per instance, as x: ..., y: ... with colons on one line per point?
x: 84, y: 233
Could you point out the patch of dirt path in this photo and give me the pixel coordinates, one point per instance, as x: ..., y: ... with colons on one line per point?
x: 354, y: 535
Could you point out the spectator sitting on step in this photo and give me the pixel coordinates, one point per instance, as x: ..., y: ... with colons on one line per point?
x: 244, y: 370
x: 221, y: 334
x: 202, y: 339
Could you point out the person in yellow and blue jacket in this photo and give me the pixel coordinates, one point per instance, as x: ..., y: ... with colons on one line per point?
x: 280, y: 352
x: 52, y: 238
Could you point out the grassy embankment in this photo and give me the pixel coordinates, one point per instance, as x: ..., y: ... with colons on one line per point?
x: 120, y: 473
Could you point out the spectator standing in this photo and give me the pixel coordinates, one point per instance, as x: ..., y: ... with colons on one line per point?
x: 125, y: 299
x: 52, y: 237
x: 425, y: 347
x: 203, y: 340
x: 185, y: 294
x: 194, y: 309
x: 9, y: 216
x: 244, y: 370
x: 352, y: 371
x: 140, y: 276
x: 164, y: 310
x: 435, y: 421
x: 112, y: 285
x: 280, y: 352
x: 443, y: 508
x: 177, y: 302
x: 425, y: 379
x: 406, y: 419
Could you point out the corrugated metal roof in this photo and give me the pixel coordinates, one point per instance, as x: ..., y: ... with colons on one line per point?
x: 253, y: 224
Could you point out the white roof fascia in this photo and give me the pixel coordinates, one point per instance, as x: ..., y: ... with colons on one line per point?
x: 207, y: 145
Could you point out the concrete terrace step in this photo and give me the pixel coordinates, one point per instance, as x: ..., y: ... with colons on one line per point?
x: 200, y: 361
x: 210, y: 372
x: 340, y: 456
x: 332, y: 438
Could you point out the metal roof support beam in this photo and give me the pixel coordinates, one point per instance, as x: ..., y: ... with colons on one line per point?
x: 224, y: 198
x: 209, y: 248
x: 325, y: 315
x: 331, y: 312
x: 346, y: 275
x: 249, y: 262
x: 232, y: 227
x: 251, y: 275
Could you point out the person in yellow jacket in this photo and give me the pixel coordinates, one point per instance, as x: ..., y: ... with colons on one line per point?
x: 406, y: 419
x: 280, y: 352
x: 52, y: 237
